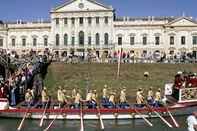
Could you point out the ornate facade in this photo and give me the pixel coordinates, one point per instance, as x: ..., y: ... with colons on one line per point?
x: 82, y: 25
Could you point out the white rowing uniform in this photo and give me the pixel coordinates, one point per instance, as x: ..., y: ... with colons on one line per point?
x: 139, y: 97
x: 157, y: 96
x: 191, y: 122
x: 122, y: 96
x: 77, y: 98
x: 89, y: 96
x: 111, y: 99
x: 150, y: 95
x: 74, y: 93
x: 94, y: 96
x: 104, y: 93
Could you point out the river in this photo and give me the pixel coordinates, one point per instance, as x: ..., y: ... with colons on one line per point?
x: 110, y: 125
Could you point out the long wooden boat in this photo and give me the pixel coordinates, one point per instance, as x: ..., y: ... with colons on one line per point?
x: 179, y: 107
x: 92, y: 114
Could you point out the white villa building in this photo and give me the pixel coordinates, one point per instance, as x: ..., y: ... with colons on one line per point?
x: 82, y: 25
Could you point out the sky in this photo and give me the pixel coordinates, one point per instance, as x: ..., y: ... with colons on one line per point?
x: 28, y: 10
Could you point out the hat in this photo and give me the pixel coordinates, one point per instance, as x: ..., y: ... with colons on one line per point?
x: 146, y: 72
x: 179, y: 72
x: 45, y: 88
x: 105, y: 86
x: 64, y: 91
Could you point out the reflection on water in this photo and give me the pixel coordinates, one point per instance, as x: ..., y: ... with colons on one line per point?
x: 120, y: 125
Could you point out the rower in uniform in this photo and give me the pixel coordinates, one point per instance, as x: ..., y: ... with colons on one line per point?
x: 28, y: 98
x: 150, y: 97
x: 60, y: 97
x: 74, y: 93
x: 123, y: 100
x: 140, y: 98
x: 65, y: 100
x: 105, y: 99
x: 89, y: 99
x: 112, y: 100
x: 105, y: 94
x: 45, y: 97
x: 77, y: 100
x: 158, y: 98
x: 94, y: 99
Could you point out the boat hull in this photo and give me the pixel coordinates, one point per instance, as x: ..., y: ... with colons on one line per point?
x: 92, y: 114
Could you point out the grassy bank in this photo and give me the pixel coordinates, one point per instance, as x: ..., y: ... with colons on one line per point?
x: 97, y: 75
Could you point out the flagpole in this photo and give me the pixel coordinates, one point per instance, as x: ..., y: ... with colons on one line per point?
x: 119, y: 62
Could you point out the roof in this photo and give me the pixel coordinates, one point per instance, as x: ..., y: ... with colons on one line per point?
x: 183, y: 17
x: 93, y: 1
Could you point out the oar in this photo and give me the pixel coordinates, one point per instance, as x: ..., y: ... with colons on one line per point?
x: 164, y: 120
x: 171, y: 116
x: 146, y: 120
x: 100, y: 118
x: 23, y: 120
x: 81, y: 118
x: 42, y: 119
x: 49, y: 126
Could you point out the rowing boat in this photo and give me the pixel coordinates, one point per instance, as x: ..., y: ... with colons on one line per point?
x: 176, y: 107
x: 92, y: 114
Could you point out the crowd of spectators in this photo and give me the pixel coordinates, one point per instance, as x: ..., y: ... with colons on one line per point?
x: 127, y: 57
x: 185, y: 80
x: 27, y: 75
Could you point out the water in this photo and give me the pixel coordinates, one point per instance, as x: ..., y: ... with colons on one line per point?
x: 110, y: 125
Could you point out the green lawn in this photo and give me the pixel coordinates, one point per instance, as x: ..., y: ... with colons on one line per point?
x: 97, y: 75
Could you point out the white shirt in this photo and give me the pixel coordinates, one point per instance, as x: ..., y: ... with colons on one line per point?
x: 191, y: 121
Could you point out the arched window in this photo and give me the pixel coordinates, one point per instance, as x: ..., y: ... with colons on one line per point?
x: 97, y: 39
x: 106, y: 39
x: 1, y: 41
x: 57, y: 39
x: 65, y: 39
x: 34, y: 41
x: 45, y: 40
x: 13, y: 40
x: 81, y: 38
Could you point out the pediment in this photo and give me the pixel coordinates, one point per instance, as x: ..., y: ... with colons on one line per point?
x: 183, y: 21
x: 81, y: 5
